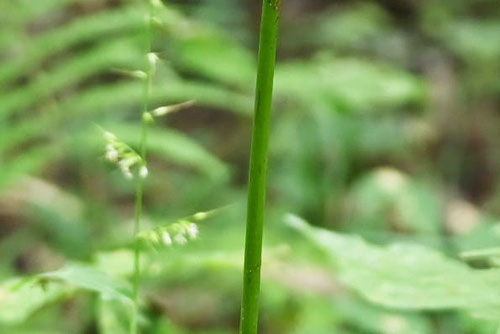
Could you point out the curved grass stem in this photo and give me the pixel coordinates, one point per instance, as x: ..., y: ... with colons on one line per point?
x: 258, y: 166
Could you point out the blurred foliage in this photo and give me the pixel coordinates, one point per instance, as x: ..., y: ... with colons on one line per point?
x: 385, y: 130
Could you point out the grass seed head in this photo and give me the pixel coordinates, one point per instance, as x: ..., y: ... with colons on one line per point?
x: 124, y: 156
x: 143, y: 172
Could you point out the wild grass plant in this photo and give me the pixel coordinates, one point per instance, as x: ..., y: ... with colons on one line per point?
x: 127, y: 158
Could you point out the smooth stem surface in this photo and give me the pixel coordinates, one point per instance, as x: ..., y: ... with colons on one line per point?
x: 145, y: 120
x: 258, y: 167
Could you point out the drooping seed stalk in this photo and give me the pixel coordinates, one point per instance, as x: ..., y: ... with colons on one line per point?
x: 145, y: 121
x: 258, y: 166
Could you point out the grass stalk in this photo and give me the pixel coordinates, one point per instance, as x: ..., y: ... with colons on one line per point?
x: 258, y: 166
x: 139, y: 192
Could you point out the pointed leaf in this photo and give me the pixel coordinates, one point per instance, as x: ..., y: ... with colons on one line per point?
x: 90, y: 278
x: 407, y: 276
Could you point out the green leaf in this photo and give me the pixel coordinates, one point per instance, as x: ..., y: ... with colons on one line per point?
x: 205, y: 50
x: 83, y: 29
x: 89, y: 278
x: 222, y: 59
x: 406, y: 276
x: 20, y: 297
x: 120, y: 54
x: 349, y: 85
x: 378, y: 320
x: 112, y: 317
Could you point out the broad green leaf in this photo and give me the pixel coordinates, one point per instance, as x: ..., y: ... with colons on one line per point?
x: 113, y: 317
x: 89, y: 278
x: 375, y: 319
x: 20, y: 297
x: 406, y: 276
x: 118, y: 262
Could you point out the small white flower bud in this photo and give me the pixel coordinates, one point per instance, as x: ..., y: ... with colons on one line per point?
x: 152, y: 58
x: 143, y: 172
x: 112, y: 155
x: 128, y: 175
x: 154, y: 237
x: 146, y: 116
x: 200, y: 215
x: 123, y: 164
x: 161, y: 111
x: 192, y: 230
x: 128, y: 162
x: 172, y: 108
x: 167, y: 240
x: 180, y: 239
x: 139, y: 74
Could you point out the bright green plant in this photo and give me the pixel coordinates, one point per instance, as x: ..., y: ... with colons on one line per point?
x: 258, y: 166
x: 407, y: 276
x: 128, y: 158
x: 146, y: 118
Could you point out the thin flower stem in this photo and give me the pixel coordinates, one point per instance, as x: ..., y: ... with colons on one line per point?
x: 136, y: 277
x: 258, y: 166
x: 139, y: 192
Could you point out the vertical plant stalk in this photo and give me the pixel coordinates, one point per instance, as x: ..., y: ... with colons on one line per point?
x: 258, y: 166
x: 146, y: 119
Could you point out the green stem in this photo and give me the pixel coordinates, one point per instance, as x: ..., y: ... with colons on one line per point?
x: 136, y: 277
x: 258, y: 166
x: 139, y: 191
